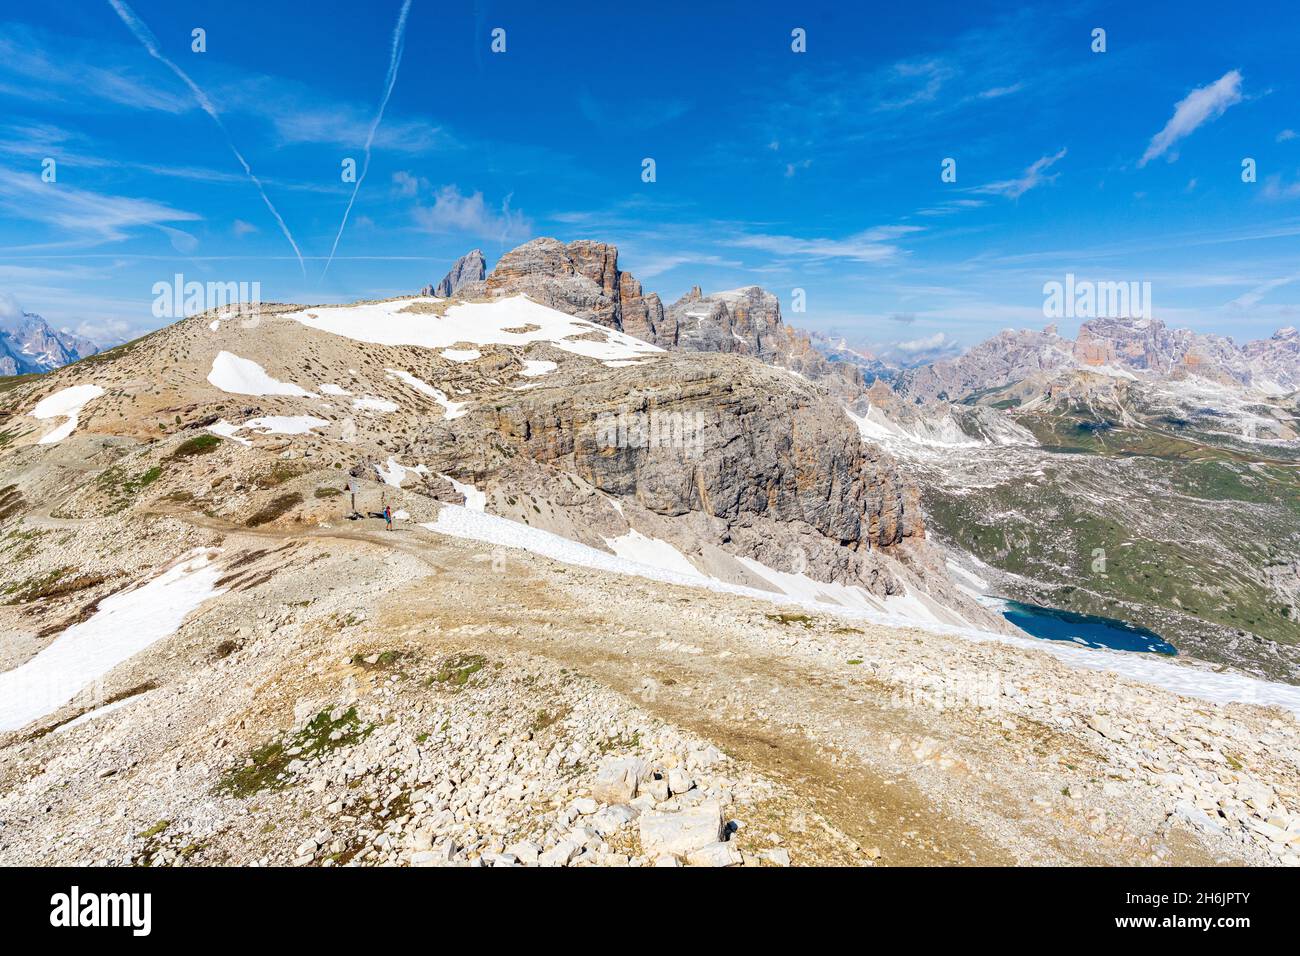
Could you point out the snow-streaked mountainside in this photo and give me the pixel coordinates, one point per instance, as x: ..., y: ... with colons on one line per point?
x: 29, y: 345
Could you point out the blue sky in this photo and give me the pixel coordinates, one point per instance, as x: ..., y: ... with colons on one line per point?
x: 818, y: 170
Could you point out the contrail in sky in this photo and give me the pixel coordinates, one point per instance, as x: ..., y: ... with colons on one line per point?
x: 394, y: 60
x: 150, y: 42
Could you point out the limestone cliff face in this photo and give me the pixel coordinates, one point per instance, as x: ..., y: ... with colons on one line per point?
x: 766, y: 461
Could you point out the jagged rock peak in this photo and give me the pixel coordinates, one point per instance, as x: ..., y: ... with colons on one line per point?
x: 29, y: 345
x: 471, y: 267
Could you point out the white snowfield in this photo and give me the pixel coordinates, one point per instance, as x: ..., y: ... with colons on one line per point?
x: 395, y: 473
x: 268, y: 425
x: 461, y: 355
x: 1222, y: 688
x: 125, y: 624
x: 475, y: 500
x: 450, y: 409
x: 535, y: 367
x: 241, y: 376
x: 944, y: 433
x: 370, y: 403
x: 514, y: 321
x: 66, y: 404
x: 634, y: 546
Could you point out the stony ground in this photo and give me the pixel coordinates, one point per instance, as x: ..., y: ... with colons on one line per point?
x: 364, y: 698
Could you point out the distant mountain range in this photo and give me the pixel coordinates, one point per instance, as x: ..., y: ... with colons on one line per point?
x: 29, y: 345
x: 1144, y: 347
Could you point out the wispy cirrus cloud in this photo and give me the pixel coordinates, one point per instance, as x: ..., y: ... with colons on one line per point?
x: 997, y: 92
x: 631, y: 114
x: 913, y: 81
x: 85, y: 216
x: 1276, y: 188
x: 1034, y: 175
x: 870, y: 245
x: 73, y: 149
x: 651, y: 266
x: 142, y: 33
x: 1252, y: 298
x: 453, y: 211
x: 36, y: 67
x: 1193, y: 111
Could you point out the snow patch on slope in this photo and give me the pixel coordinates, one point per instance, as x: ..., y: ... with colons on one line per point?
x: 125, y: 624
x: 396, y: 473
x: 450, y: 409
x: 241, y: 376
x: 475, y: 500
x: 372, y: 404
x: 66, y: 404
x: 534, y: 367
x: 634, y: 546
x: 269, y: 425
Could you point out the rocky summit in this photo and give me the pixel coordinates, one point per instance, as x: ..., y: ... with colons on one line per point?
x: 29, y: 346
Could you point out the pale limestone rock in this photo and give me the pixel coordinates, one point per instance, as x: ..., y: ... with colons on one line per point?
x: 683, y: 831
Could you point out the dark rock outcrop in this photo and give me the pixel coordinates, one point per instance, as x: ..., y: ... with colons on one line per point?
x: 468, y: 269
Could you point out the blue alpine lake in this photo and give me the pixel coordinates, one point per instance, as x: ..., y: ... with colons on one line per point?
x: 1089, y: 630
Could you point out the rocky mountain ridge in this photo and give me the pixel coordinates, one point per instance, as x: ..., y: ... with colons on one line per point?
x: 1141, y: 346
x: 582, y: 278
x: 29, y: 345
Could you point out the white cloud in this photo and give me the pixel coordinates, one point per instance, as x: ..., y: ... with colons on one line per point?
x: 927, y: 344
x: 10, y: 310
x: 1192, y: 111
x: 649, y: 268
x: 1249, y: 300
x: 1033, y: 176
x: 1275, y: 187
x: 910, y: 82
x: 90, y: 216
x: 150, y: 43
x: 242, y: 229
x: 45, y: 68
x: 870, y: 245
x: 1286, y: 134
x: 404, y: 184
x: 453, y: 212
x: 999, y: 91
